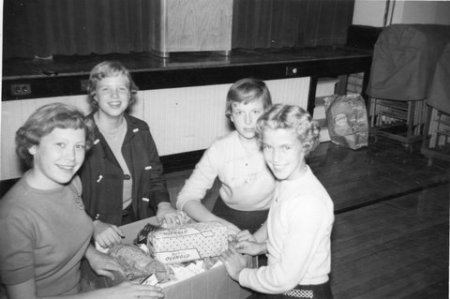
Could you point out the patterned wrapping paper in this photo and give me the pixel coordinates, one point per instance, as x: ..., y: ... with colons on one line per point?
x: 188, y: 242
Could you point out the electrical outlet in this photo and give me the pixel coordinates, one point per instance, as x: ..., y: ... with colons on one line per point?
x: 23, y: 89
x: 291, y: 71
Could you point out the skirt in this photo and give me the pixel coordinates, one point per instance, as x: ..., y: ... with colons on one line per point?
x: 319, y: 291
x: 250, y: 220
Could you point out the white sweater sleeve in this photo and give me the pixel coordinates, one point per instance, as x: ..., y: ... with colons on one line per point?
x: 201, y: 179
x: 306, y: 228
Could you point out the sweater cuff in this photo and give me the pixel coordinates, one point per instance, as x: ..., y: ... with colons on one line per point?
x: 243, y: 277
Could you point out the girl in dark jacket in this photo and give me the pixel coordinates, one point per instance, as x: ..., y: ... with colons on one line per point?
x: 122, y: 175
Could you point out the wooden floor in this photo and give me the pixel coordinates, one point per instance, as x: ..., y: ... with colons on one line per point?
x: 391, y: 233
x: 393, y: 249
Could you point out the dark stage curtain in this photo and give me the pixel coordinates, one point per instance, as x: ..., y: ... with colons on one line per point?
x: 80, y: 27
x: 68, y: 27
x: 290, y: 23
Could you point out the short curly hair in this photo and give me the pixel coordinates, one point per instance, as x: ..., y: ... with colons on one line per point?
x: 282, y: 116
x: 43, y: 121
x: 245, y: 91
x: 107, y: 69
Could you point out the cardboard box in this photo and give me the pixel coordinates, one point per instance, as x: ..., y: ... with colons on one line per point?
x: 326, y: 87
x: 212, y: 284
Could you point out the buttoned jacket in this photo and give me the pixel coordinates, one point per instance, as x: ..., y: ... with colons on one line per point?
x: 102, y: 176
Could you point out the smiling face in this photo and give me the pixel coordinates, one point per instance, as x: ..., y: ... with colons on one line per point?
x: 244, y: 117
x: 58, y: 157
x: 284, y: 153
x: 113, y: 96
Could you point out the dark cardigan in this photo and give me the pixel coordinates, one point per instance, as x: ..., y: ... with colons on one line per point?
x: 102, y: 176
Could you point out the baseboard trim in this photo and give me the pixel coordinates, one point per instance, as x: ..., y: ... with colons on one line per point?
x: 182, y: 161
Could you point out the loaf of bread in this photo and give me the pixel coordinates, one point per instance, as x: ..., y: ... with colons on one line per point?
x: 138, y: 265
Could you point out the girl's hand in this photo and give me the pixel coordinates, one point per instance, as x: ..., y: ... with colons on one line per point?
x: 103, y: 264
x: 168, y: 216
x: 127, y: 290
x: 234, y: 262
x: 245, y: 235
x: 106, y: 235
x: 250, y: 247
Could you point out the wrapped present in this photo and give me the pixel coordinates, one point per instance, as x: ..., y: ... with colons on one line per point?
x: 188, y: 242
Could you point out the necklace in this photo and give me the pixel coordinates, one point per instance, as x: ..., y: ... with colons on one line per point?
x: 77, y: 198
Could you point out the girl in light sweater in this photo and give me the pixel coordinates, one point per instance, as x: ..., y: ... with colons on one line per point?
x: 45, y: 231
x: 296, y: 237
x: 236, y: 160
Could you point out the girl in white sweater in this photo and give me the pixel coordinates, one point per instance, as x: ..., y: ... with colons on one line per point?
x: 236, y: 160
x: 296, y: 237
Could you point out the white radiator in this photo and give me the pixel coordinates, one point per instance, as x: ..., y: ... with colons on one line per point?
x: 190, y: 118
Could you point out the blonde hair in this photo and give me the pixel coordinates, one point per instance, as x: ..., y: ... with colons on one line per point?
x: 43, y: 121
x: 107, y: 69
x: 293, y: 117
x: 245, y: 91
